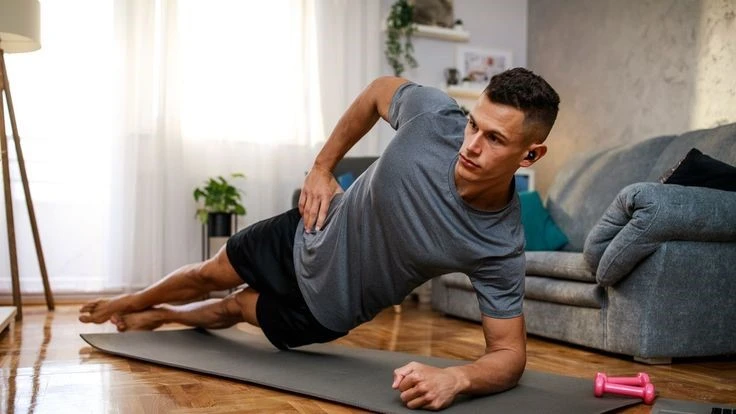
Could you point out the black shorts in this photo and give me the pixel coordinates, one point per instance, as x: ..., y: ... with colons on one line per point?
x: 262, y: 254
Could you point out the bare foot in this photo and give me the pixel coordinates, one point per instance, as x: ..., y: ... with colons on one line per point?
x: 101, y: 310
x: 146, y: 320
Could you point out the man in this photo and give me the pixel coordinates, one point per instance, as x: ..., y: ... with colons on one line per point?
x: 440, y: 199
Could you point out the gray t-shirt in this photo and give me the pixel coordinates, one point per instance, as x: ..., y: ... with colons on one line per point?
x: 402, y: 222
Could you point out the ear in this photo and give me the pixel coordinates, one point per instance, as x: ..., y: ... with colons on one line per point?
x: 534, y: 153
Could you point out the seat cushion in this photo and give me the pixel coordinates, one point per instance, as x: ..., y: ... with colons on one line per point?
x: 457, y: 281
x: 546, y: 289
x: 565, y: 292
x: 559, y: 265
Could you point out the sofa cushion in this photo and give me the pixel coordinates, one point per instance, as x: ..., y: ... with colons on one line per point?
x: 566, y: 292
x: 560, y: 265
x: 545, y: 289
x: 457, y: 281
x: 540, y: 230
x: 700, y: 170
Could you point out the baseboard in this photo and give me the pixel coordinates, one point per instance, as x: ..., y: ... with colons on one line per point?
x: 6, y: 298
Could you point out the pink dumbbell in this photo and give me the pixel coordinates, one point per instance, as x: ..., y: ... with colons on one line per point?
x: 641, y: 379
x: 602, y: 386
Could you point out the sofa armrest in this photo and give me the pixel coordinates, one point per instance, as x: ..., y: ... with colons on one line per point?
x: 678, y: 302
x: 644, y: 215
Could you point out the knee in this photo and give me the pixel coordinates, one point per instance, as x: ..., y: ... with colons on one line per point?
x: 244, y: 302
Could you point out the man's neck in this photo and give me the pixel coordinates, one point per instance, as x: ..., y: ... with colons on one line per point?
x: 486, y: 196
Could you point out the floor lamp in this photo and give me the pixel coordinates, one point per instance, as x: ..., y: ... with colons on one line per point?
x: 20, y: 22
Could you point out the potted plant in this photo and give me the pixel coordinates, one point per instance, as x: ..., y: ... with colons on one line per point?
x: 399, y: 28
x: 221, y: 201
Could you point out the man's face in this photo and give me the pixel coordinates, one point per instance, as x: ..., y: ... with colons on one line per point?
x: 494, y: 146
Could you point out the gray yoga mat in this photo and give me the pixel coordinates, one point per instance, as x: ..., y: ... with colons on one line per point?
x: 352, y: 376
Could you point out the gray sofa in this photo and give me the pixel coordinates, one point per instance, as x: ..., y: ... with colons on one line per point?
x: 650, y: 268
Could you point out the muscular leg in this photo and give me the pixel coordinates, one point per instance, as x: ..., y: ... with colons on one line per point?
x: 186, y: 283
x: 214, y: 313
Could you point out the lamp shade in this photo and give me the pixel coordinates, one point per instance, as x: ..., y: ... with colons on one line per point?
x: 20, y: 25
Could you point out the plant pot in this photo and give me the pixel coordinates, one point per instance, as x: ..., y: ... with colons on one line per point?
x: 219, y: 224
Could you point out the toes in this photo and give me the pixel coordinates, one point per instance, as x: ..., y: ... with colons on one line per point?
x: 86, y: 318
x: 89, y: 319
x: 121, y: 325
x: 88, y: 307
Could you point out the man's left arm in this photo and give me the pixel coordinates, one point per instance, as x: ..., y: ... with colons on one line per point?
x: 424, y: 386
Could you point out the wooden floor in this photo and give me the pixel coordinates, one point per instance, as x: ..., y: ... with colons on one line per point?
x: 46, y: 367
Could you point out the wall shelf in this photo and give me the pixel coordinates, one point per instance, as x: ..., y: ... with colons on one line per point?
x: 442, y: 33
x: 464, y: 92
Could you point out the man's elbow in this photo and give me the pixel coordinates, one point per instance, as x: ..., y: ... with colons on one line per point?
x: 381, y: 91
x: 516, y: 367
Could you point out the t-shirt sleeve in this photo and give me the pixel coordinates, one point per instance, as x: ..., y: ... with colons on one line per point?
x: 411, y: 100
x: 499, y: 286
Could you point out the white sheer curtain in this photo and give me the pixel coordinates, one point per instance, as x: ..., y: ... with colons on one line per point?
x: 119, y: 128
x: 349, y: 39
x: 210, y: 89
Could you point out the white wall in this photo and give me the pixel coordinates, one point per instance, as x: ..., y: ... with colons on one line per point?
x: 494, y: 24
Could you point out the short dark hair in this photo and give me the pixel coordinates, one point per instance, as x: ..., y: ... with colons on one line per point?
x: 529, y: 93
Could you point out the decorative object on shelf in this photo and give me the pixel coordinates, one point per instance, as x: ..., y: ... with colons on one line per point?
x: 452, y: 76
x: 435, y: 19
x: 434, y: 13
x: 20, y: 23
x: 399, y: 49
x: 479, y: 65
x: 220, y: 199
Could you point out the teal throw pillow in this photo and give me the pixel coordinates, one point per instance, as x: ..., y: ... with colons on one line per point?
x: 541, y: 232
x: 345, y: 180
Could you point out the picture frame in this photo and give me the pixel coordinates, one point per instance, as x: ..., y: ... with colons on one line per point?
x: 478, y: 65
x: 524, y: 179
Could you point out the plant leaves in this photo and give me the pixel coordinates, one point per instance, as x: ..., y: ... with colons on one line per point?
x: 219, y: 197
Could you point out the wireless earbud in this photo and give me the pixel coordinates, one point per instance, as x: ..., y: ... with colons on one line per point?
x: 532, y: 155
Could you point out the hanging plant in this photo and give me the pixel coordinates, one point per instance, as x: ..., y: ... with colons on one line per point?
x: 399, y: 28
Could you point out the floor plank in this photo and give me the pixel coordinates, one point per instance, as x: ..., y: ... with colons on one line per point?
x: 46, y: 367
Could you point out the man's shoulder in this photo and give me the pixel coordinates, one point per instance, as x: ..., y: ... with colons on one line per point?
x: 412, y: 100
x: 424, y: 95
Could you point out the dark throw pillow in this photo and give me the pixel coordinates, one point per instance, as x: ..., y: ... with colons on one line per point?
x: 542, y: 234
x: 700, y: 170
